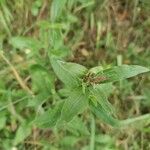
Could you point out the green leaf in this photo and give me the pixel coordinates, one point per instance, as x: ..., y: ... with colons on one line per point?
x: 64, y: 92
x: 101, y: 113
x: 25, y: 42
x: 42, y: 79
x: 68, y: 73
x: 96, y: 69
x: 76, y: 125
x: 23, y: 132
x: 50, y: 117
x: 100, y: 93
x: 42, y: 84
x: 3, y: 119
x: 74, y: 104
x: 36, y: 7
x: 69, y: 141
x: 103, y: 109
x: 56, y: 8
x: 140, y: 119
x: 106, y: 117
x: 122, y: 72
x: 105, y: 139
x: 50, y: 25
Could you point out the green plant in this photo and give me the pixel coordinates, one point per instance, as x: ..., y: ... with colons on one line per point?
x: 88, y: 88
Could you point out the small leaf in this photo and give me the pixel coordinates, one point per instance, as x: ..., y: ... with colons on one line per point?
x: 3, y: 119
x: 96, y: 69
x: 23, y: 132
x: 74, y: 104
x: 64, y: 92
x: 50, y: 117
x: 42, y: 79
x: 69, y: 141
x: 105, y: 139
x: 56, y: 8
x: 76, y: 125
x: 25, y: 42
x: 122, y: 72
x: 68, y: 73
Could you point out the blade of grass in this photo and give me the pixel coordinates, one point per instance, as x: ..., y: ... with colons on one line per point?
x: 15, y: 102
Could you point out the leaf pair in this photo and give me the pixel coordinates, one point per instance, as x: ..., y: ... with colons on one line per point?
x: 104, y: 109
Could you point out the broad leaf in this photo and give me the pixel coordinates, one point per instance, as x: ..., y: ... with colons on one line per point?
x: 122, y: 72
x: 101, y: 113
x: 68, y: 73
x: 74, y: 104
x: 100, y: 94
x: 49, y: 118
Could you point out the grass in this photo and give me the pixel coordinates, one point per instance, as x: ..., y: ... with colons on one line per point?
x: 87, y: 32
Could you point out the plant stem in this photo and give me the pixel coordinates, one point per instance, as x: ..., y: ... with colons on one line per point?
x: 92, y: 141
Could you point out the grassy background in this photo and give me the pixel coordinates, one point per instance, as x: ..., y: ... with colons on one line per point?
x: 89, y: 32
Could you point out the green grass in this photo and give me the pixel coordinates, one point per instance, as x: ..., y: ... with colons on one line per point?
x: 86, y: 32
